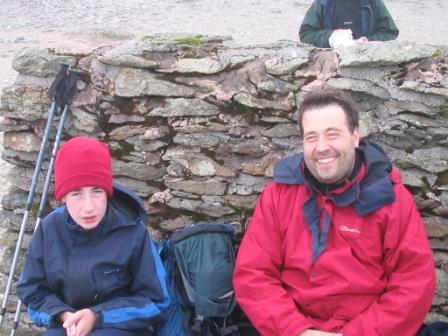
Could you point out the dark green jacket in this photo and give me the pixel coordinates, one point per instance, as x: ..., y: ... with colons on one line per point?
x: 317, y: 26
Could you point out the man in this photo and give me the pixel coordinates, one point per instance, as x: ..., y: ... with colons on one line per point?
x: 336, y: 245
x: 332, y: 23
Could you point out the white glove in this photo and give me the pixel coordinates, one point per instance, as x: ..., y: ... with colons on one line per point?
x: 341, y: 37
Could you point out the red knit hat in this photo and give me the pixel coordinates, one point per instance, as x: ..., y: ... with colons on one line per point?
x: 82, y: 162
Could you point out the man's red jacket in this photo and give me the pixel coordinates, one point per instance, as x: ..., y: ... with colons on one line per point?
x: 356, y: 261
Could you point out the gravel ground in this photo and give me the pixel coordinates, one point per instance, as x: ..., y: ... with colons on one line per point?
x: 47, y: 23
x: 44, y: 22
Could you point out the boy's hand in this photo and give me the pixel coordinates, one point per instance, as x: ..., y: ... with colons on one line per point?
x: 80, y: 323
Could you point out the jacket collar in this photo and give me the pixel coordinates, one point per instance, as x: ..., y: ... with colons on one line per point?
x: 371, y: 190
x: 368, y: 192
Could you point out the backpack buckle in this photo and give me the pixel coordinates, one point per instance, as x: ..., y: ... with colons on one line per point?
x: 198, y: 322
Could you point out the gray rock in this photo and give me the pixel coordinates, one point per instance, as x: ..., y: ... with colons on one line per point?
x: 359, y: 85
x: 248, y: 185
x: 24, y: 102
x: 375, y: 75
x: 282, y: 131
x: 11, y: 125
x: 367, y: 124
x: 415, y: 177
x: 197, y: 125
x: 424, y: 88
x: 123, y: 132
x: 276, y: 85
x: 411, y: 96
x: 153, y: 133
x: 176, y: 223
x: 278, y: 67
x: 20, y: 158
x: 433, y: 160
x: 199, y: 165
x: 205, y: 187
x: 22, y: 141
x: 252, y: 147
x: 205, y: 66
x: 184, y: 204
x: 395, y: 106
x: 137, y: 82
x: 241, y: 202
x: 39, y: 62
x: 22, y: 178
x: 142, y: 189
x: 250, y: 101
x: 204, y: 140
x: 85, y: 121
x: 237, y: 61
x: 137, y: 170
x: 130, y: 61
x: 441, y: 292
x: 184, y: 107
x: 12, y: 221
x: 290, y: 144
x: 125, y: 118
x: 214, y: 208
x: 15, y: 199
x: 375, y: 54
x: 143, y: 145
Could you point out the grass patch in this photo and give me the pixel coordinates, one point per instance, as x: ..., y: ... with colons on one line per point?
x: 191, y: 41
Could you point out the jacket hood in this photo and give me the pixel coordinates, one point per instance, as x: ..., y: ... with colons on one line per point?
x: 125, y: 208
x: 371, y: 193
x: 374, y: 191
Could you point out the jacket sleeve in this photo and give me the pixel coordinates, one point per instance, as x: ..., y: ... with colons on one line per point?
x: 410, y: 272
x: 384, y: 28
x: 312, y: 30
x: 149, y: 297
x: 256, y: 278
x: 33, y: 290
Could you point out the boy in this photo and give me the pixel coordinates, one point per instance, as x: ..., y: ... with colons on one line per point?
x: 91, y: 268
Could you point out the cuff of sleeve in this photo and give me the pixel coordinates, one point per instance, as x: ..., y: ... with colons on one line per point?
x: 54, y: 320
x: 99, y: 318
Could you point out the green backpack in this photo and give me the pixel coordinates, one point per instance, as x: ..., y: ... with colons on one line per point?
x: 200, y: 260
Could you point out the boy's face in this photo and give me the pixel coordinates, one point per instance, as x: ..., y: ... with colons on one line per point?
x: 87, y: 206
x: 328, y: 143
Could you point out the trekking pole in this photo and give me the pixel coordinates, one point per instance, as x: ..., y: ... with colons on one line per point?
x: 67, y: 95
x: 55, y: 89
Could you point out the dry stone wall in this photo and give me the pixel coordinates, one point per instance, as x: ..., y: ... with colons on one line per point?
x: 195, y: 124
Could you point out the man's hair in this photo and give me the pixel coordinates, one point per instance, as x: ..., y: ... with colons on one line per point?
x: 329, y: 96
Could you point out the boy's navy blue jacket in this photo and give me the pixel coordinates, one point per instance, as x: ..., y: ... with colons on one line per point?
x: 113, y: 269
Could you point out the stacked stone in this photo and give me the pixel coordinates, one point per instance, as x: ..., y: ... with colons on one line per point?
x: 195, y: 124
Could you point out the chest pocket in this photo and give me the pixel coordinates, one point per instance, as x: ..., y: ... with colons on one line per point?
x: 110, y: 280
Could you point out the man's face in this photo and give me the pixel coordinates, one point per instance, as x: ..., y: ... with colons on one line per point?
x: 328, y: 144
x: 87, y: 206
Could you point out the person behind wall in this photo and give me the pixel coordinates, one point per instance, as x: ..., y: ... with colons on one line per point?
x: 336, y: 245
x: 334, y: 23
x: 91, y: 268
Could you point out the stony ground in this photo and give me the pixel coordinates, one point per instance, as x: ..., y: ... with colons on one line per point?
x: 43, y: 22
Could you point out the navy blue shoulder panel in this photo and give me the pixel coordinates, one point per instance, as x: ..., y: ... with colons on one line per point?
x: 288, y: 171
x: 376, y: 189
